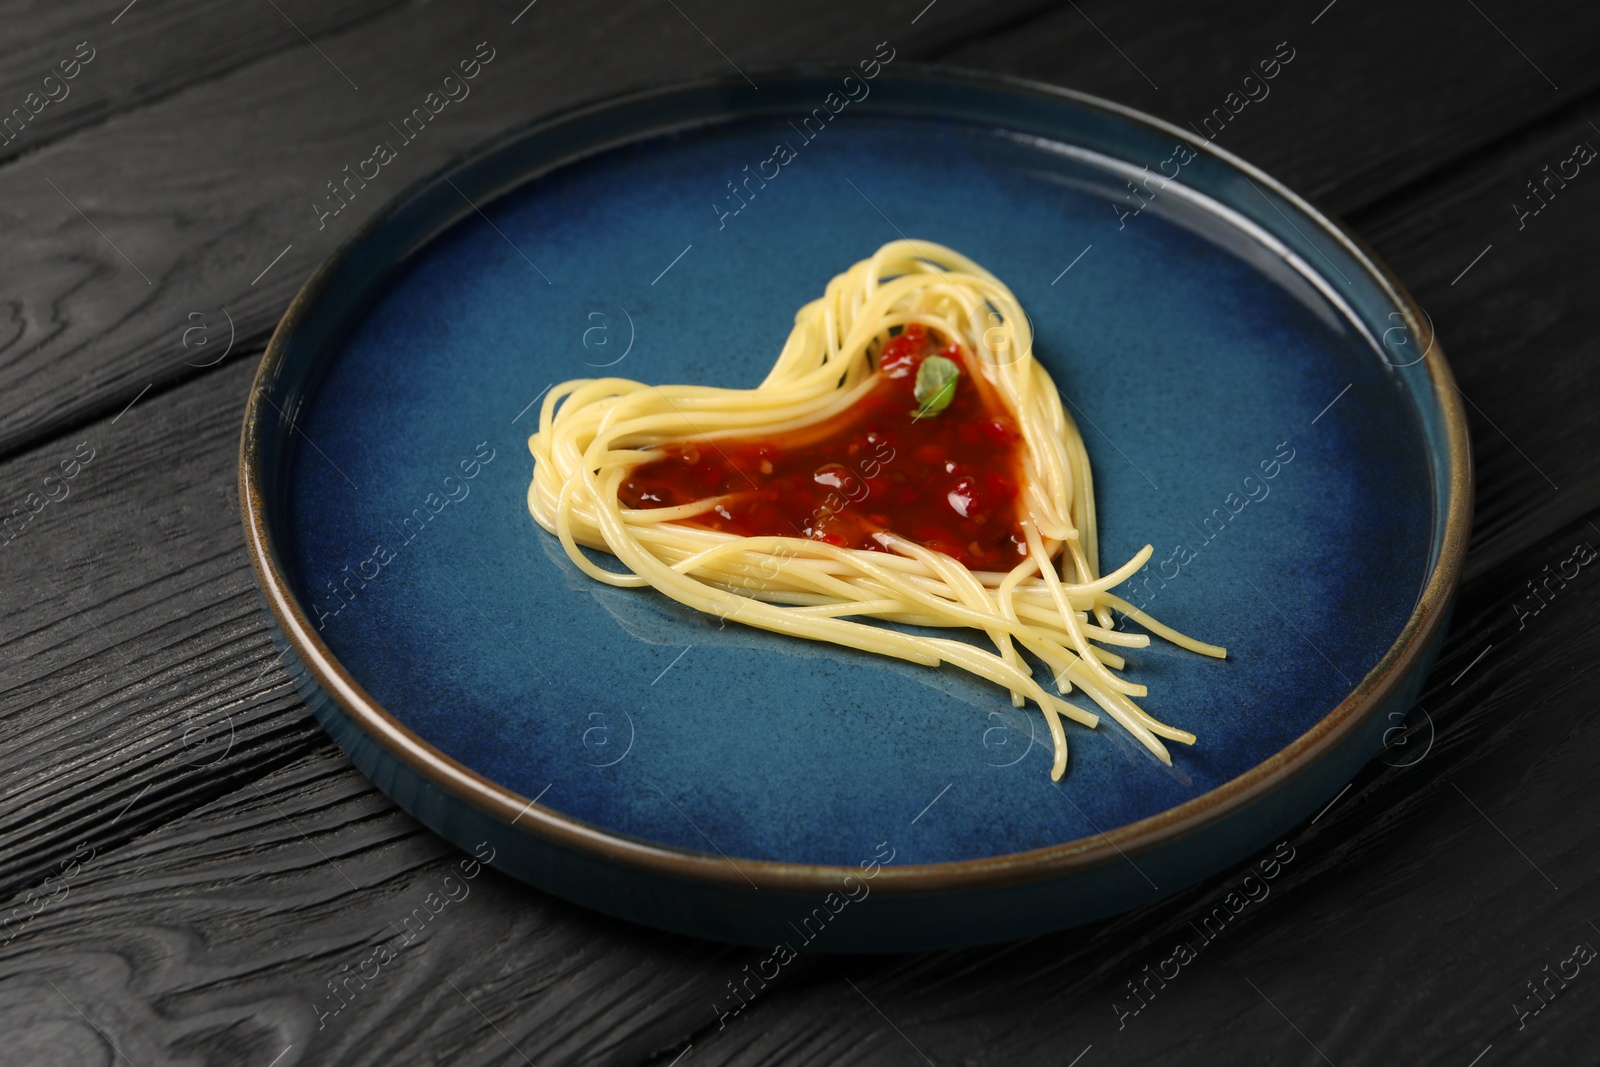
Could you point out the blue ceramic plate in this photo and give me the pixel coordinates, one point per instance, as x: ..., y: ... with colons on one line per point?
x: 1260, y: 401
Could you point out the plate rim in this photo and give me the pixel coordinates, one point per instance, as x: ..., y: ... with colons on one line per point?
x: 1053, y: 861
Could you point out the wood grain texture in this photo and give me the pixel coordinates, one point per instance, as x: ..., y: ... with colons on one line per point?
x: 136, y: 659
x: 1375, y: 99
x: 144, y: 717
x: 138, y: 58
x: 233, y: 934
x: 1521, y: 343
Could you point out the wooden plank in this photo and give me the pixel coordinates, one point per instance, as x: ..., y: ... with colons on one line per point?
x: 1374, y: 98
x: 1498, y: 288
x: 138, y: 666
x: 290, y: 918
x: 114, y: 265
x: 103, y: 62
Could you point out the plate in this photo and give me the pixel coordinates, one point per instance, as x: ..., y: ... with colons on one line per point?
x: 1260, y: 400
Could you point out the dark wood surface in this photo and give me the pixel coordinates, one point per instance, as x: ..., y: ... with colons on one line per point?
x: 189, y: 861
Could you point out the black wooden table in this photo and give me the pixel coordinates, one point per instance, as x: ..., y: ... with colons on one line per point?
x: 191, y: 863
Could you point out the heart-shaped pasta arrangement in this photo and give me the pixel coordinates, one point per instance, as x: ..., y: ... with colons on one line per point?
x: 906, y: 460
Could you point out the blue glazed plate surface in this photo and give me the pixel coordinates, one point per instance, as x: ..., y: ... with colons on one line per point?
x: 1243, y: 407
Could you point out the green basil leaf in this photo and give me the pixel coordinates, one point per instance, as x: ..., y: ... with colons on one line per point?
x: 936, y: 385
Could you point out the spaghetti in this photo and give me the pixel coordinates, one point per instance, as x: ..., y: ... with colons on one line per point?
x: 913, y: 377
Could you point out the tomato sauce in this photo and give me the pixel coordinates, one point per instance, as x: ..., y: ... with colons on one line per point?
x: 948, y: 481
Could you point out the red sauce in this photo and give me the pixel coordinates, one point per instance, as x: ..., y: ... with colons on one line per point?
x: 947, y: 481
